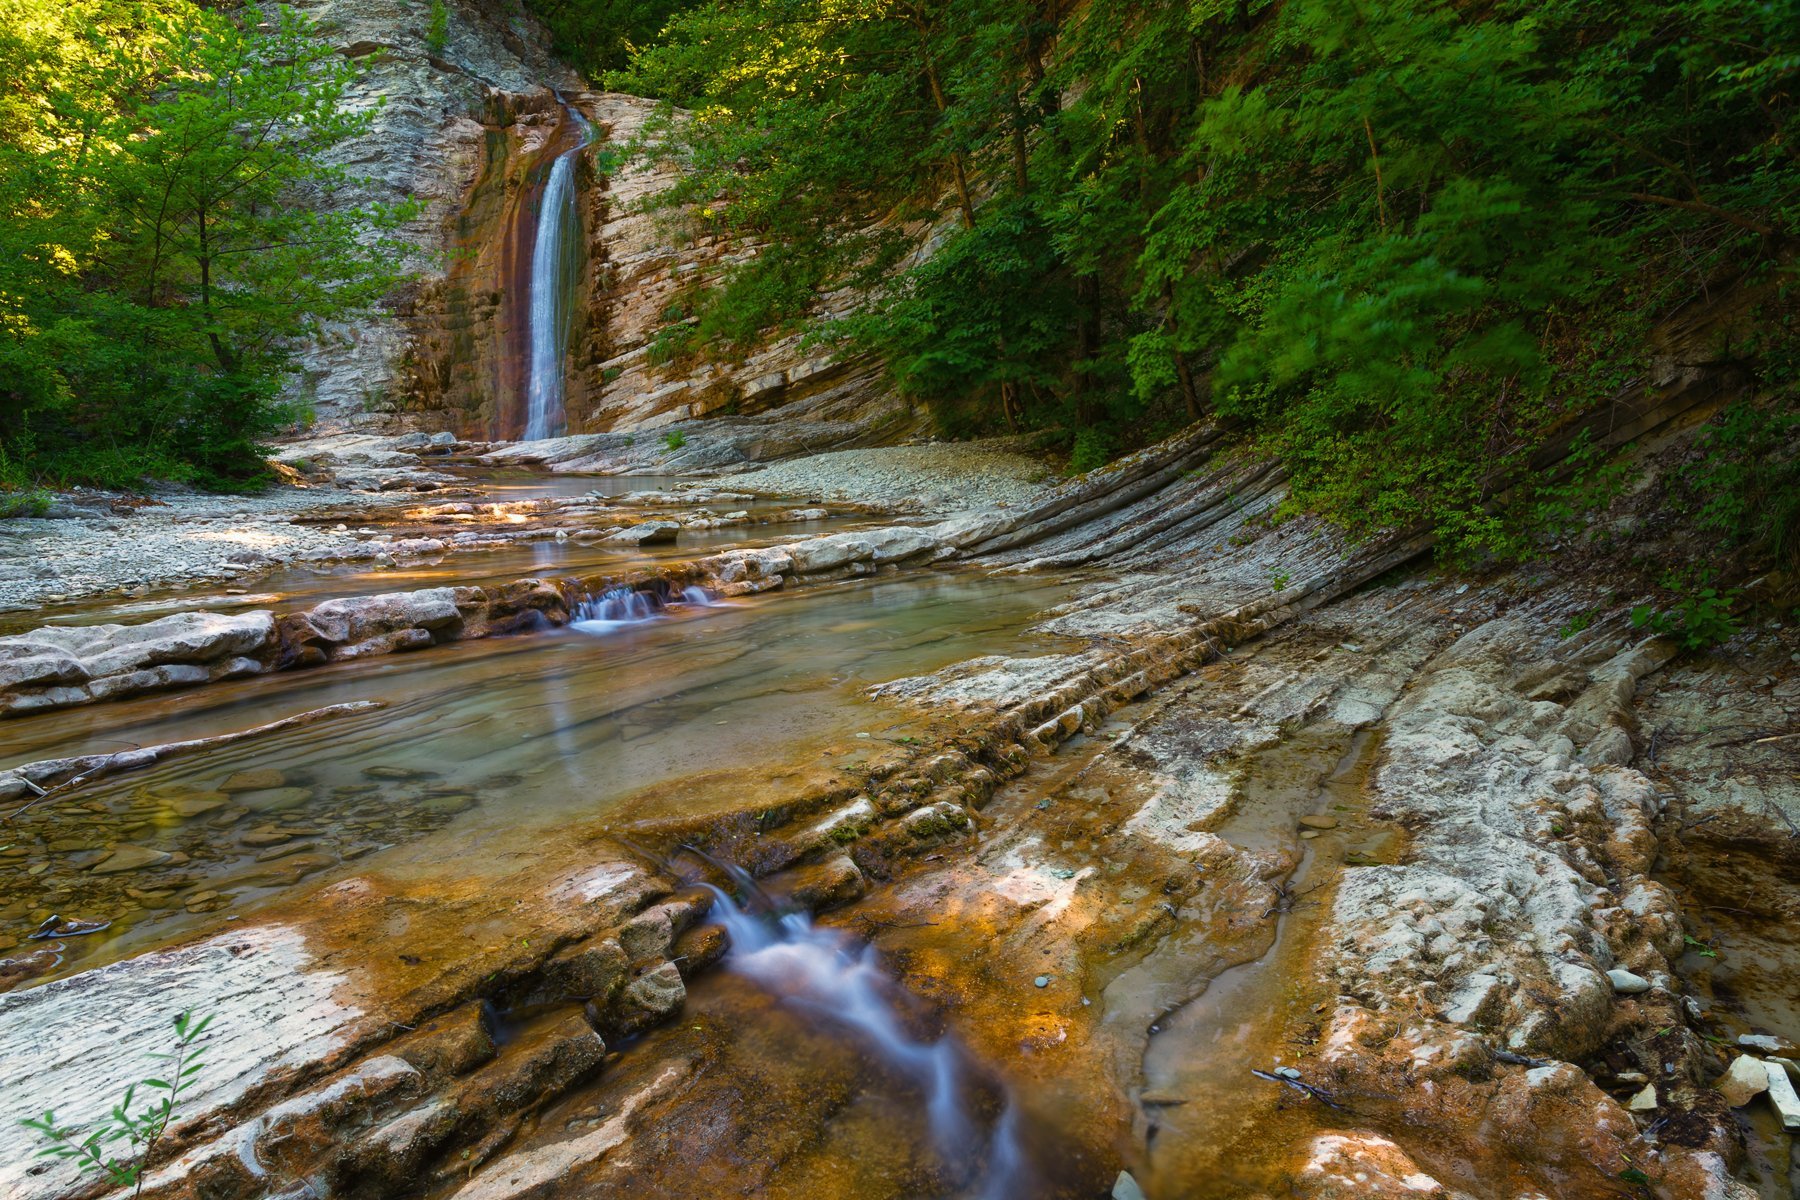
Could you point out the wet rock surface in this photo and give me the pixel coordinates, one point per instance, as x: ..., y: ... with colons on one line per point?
x: 1300, y: 870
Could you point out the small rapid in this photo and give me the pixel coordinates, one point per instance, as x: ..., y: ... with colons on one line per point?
x: 555, y: 258
x: 622, y: 607
x: 825, y: 974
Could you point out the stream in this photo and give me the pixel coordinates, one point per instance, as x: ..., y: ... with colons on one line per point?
x: 487, y: 745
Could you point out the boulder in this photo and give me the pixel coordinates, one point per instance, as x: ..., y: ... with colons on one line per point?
x: 830, y: 553
x: 58, y: 655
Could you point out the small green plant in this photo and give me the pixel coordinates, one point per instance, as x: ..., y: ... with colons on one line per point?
x: 437, y: 28
x: 1575, y: 625
x: 674, y: 440
x: 32, y: 503
x: 87, y: 1145
x: 1092, y: 449
x: 1701, y: 617
x: 1698, y: 947
x: 1279, y: 580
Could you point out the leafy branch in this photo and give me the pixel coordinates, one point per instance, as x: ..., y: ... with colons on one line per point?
x: 88, y: 1145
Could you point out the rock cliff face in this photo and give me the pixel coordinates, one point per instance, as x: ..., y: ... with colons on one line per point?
x: 443, y: 121
x: 471, y: 129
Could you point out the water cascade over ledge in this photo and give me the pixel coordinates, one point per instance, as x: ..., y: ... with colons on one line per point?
x: 826, y: 973
x: 620, y: 607
x: 555, y: 259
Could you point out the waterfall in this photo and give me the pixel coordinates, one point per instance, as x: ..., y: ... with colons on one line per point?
x: 554, y: 260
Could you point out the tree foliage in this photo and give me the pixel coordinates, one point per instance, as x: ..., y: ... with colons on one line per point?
x: 1405, y: 242
x: 170, y: 226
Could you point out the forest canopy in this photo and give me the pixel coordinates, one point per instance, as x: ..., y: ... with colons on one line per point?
x: 1403, y: 241
x: 169, y: 227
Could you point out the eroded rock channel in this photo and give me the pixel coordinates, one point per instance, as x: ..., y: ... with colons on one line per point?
x: 996, y: 854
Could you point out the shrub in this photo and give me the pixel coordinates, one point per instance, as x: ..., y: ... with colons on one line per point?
x: 437, y: 31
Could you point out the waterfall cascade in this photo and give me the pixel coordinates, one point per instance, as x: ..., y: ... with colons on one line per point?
x: 555, y: 258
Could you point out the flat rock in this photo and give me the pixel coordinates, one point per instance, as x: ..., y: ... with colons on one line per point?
x: 1644, y: 1101
x: 130, y: 858
x: 1765, y: 1043
x: 381, y: 772
x: 1318, y: 821
x: 275, y: 799
x: 197, y: 804
x: 1782, y: 1095
x: 259, y: 779
x: 648, y: 533
x: 1743, y: 1081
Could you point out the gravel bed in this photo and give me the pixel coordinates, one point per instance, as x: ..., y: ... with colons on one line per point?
x: 937, y: 477
x: 90, y: 543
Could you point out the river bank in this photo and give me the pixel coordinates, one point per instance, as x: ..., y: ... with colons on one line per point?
x: 388, y: 501
x: 1213, y: 794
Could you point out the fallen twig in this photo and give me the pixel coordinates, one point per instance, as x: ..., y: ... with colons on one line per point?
x: 64, y: 774
x: 1756, y: 739
x: 1300, y: 1086
x: 1518, y: 1060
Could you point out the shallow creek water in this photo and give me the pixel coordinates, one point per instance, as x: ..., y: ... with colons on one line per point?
x: 498, y: 745
x: 300, y: 586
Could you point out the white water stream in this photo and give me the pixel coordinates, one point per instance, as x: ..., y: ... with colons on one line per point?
x: 826, y: 973
x: 554, y: 260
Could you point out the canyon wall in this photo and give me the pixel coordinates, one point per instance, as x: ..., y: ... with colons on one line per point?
x: 471, y: 128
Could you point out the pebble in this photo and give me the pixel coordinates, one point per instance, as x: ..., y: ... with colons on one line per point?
x: 1626, y: 983
x: 1126, y: 1188
x: 1644, y: 1101
x: 1318, y: 821
x: 1042, y: 981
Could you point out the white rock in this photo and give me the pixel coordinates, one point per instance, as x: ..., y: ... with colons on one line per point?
x: 1126, y: 1188
x: 1626, y: 983
x: 1746, y: 1079
x: 1644, y: 1101
x: 1782, y: 1094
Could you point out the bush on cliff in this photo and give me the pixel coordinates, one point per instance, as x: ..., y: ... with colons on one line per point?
x: 1405, y: 243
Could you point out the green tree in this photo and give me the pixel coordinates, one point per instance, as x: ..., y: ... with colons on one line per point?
x: 179, y: 229
x: 1403, y: 244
